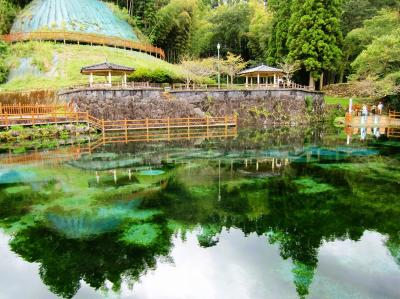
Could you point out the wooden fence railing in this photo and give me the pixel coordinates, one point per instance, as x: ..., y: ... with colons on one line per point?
x: 393, y: 132
x: 43, y: 115
x: 394, y: 114
x: 21, y: 110
x: 193, y: 86
x: 84, y: 38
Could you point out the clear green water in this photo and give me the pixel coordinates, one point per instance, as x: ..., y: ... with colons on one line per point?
x: 285, y: 213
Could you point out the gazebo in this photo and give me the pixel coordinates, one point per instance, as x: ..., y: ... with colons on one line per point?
x: 107, y: 70
x: 265, y: 75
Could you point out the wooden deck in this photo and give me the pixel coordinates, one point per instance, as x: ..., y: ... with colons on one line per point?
x: 45, y: 115
x: 373, y: 121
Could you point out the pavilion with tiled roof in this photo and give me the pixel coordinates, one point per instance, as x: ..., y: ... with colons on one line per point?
x: 108, y: 70
x: 264, y: 75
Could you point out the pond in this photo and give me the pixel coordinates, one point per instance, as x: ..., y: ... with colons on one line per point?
x: 279, y: 213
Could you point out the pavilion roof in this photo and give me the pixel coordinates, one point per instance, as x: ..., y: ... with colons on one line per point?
x: 262, y: 69
x: 104, y: 68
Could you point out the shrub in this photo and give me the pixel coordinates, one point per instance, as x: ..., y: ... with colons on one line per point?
x: 4, y: 69
x: 155, y: 76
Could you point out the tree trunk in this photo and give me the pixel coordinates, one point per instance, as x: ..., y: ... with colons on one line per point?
x: 321, y: 81
x: 341, y: 77
x: 311, y: 83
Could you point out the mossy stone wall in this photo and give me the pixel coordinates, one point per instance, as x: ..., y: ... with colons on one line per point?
x: 253, y: 107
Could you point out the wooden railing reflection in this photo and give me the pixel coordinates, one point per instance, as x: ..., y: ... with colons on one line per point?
x: 74, y: 152
x: 54, y: 156
x: 188, y: 133
x: 84, y: 38
x: 393, y: 132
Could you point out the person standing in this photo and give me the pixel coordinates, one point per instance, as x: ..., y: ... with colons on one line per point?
x: 364, y: 111
x: 380, y: 108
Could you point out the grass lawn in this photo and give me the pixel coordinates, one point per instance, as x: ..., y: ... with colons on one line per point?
x: 47, y: 65
x: 329, y: 100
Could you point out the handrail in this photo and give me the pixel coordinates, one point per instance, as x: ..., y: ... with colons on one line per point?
x: 194, y: 86
x: 87, y: 38
x: 393, y: 114
x: 55, y: 116
x: 19, y: 109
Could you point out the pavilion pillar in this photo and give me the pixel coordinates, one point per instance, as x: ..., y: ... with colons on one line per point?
x: 125, y: 80
x: 109, y: 78
x: 91, y: 80
x: 247, y: 81
x: 251, y: 81
x: 275, y: 81
x: 258, y: 80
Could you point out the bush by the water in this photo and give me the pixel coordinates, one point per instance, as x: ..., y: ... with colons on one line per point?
x: 19, y: 133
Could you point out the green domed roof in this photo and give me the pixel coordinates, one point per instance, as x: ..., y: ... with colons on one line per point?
x: 83, y: 16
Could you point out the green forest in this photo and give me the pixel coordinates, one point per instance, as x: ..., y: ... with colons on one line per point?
x: 322, y: 41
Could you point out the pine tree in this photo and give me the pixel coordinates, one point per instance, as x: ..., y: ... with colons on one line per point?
x: 315, y: 36
x: 277, y: 46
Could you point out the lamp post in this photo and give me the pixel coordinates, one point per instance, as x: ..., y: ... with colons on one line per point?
x: 219, y: 75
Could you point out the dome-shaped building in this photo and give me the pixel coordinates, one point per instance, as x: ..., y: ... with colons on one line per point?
x: 80, y: 16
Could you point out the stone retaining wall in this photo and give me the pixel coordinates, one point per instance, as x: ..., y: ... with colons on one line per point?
x: 258, y: 107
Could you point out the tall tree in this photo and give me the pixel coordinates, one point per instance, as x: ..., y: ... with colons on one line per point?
x: 315, y: 36
x: 8, y: 12
x: 230, y: 26
x: 260, y: 29
x: 174, y: 27
x: 278, y: 42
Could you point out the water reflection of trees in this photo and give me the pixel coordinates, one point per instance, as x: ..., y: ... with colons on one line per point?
x: 65, y: 262
x: 335, y: 205
x: 297, y: 210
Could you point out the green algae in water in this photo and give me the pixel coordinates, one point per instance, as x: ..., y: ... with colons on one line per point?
x: 151, y: 172
x: 17, y: 190
x: 142, y: 235
x: 14, y: 177
x: 310, y: 186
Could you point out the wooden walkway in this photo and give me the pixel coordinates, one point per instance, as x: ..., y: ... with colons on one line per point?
x: 390, y: 120
x: 45, y: 115
x: 83, y: 38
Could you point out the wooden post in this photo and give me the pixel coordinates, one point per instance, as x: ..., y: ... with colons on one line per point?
x: 6, y: 119
x: 20, y: 110
x: 226, y: 125
x: 1, y: 108
x: 126, y: 131
x: 147, y: 129
x: 188, y: 128
x: 169, y: 137
x: 87, y: 122
x: 207, y: 123
x: 33, y: 118
x: 103, y: 130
